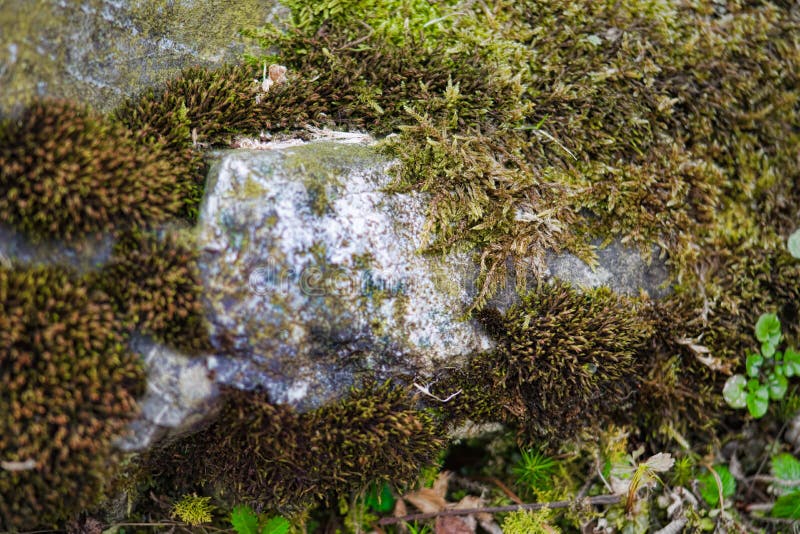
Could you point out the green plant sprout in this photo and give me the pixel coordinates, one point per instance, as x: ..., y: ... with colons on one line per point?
x: 245, y: 521
x: 535, y: 470
x: 767, y: 371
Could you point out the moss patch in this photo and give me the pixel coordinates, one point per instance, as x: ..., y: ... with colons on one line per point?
x: 154, y: 283
x: 270, y: 456
x: 67, y: 387
x: 68, y: 172
x: 565, y: 360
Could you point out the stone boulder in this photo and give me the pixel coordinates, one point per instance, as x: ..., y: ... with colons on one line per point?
x: 313, y: 276
x: 100, y: 51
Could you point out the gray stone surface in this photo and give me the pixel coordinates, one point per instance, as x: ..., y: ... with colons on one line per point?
x: 621, y: 268
x: 99, y: 51
x: 82, y: 257
x: 180, y: 395
x: 313, y: 276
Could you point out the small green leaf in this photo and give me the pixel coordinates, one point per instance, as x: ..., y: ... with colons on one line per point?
x: 753, y: 364
x: 787, y: 506
x: 767, y: 349
x: 244, y: 520
x: 767, y: 326
x: 275, y: 525
x: 793, y: 244
x: 380, y: 501
x: 786, y: 467
x: 791, y: 362
x: 777, y: 385
x: 734, y: 393
x: 708, y: 485
x: 758, y: 401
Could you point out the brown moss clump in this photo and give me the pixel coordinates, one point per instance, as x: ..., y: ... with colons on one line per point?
x: 66, y: 172
x: 270, y: 456
x: 565, y: 360
x: 201, y: 105
x: 67, y: 387
x: 154, y: 283
x: 703, y: 338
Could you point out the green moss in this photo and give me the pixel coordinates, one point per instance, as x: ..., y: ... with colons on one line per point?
x: 535, y: 125
x: 565, y: 360
x: 67, y: 387
x: 270, y: 456
x: 67, y: 172
x: 154, y: 284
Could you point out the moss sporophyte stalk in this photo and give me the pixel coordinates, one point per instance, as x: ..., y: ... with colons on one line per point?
x: 528, y: 126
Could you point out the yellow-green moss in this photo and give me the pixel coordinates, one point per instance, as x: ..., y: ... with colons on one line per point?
x: 67, y: 387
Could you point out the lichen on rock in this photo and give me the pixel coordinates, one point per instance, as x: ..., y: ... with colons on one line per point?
x: 313, y: 279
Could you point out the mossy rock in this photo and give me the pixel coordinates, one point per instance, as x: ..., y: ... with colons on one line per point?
x: 98, y: 52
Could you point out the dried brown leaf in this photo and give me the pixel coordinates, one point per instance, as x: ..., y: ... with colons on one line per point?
x: 455, y: 525
x: 427, y: 500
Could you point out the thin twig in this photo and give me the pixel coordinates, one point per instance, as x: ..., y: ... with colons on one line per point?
x: 600, y: 499
x: 780, y: 481
x: 760, y: 506
x: 505, y: 489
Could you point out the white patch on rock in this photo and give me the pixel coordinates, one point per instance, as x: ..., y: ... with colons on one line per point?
x: 313, y: 273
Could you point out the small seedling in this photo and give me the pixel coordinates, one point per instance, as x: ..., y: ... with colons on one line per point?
x: 246, y: 521
x: 535, y: 470
x: 767, y: 371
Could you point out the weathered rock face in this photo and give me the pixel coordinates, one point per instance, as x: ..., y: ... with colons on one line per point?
x: 314, y: 279
x: 180, y: 394
x: 99, y: 51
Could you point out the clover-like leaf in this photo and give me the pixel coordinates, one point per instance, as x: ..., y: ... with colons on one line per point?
x: 244, y: 520
x: 768, y: 328
x: 791, y: 362
x: 793, y: 244
x: 787, y: 506
x: 709, y: 489
x: 276, y: 525
x: 753, y: 364
x: 734, y: 393
x: 786, y: 468
x: 758, y: 401
x: 777, y: 385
